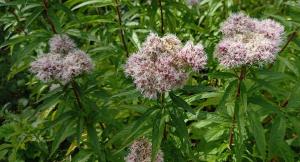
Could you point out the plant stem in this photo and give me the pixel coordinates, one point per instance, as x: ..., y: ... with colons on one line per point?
x: 291, y: 37
x: 237, y: 96
x: 122, y: 32
x: 76, y: 93
x: 73, y: 82
x: 50, y: 22
x: 161, y: 17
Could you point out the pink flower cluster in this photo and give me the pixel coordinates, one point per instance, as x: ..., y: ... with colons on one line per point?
x: 248, y: 41
x: 140, y: 151
x: 61, y: 44
x: 159, y: 66
x: 192, y: 2
x: 63, y: 63
x: 193, y: 55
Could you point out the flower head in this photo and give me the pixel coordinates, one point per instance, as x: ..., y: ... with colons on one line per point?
x: 75, y: 63
x: 192, y: 2
x: 248, y: 41
x: 152, y: 66
x: 140, y: 151
x: 238, y: 24
x: 193, y: 55
x: 159, y: 66
x: 63, y: 63
x: 61, y: 44
x: 47, y: 67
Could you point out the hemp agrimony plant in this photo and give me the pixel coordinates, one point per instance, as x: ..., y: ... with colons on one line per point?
x: 160, y: 66
x: 121, y: 80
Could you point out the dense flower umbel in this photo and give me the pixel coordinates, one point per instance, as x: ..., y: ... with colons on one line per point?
x: 63, y: 66
x: 193, y: 55
x: 61, y: 43
x: 248, y: 41
x: 140, y: 151
x: 74, y: 64
x: 192, y: 2
x: 47, y: 67
x: 158, y: 66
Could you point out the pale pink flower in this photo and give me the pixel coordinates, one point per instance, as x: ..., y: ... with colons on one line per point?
x: 237, y: 24
x: 152, y: 67
x: 193, y: 2
x: 140, y: 151
x: 63, y: 66
x: 47, y: 67
x: 193, y: 55
x: 248, y: 41
x: 75, y: 63
x: 61, y: 43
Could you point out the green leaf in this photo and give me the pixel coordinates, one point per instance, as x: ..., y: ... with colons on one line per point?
x: 278, y: 146
x: 227, y: 92
x: 34, y: 16
x: 98, y: 3
x: 140, y: 122
x: 181, y: 103
x: 82, y: 156
x: 64, y: 131
x: 94, y: 142
x: 258, y: 133
x: 222, y: 75
x: 181, y: 128
x: 213, y: 133
x: 292, y: 67
x: 157, y: 133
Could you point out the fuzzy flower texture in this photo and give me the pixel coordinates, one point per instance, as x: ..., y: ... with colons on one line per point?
x: 63, y: 63
x: 160, y: 65
x: 248, y: 41
x: 140, y: 151
x: 193, y: 2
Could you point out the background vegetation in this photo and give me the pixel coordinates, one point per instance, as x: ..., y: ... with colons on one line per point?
x: 42, y: 124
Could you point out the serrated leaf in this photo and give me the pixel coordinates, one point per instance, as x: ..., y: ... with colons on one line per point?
x: 157, y: 134
x: 228, y: 91
x: 181, y: 103
x: 64, y: 131
x: 82, y: 156
x: 99, y: 3
x: 279, y: 146
x: 258, y: 133
x: 94, y: 142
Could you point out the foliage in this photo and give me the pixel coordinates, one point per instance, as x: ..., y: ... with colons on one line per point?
x: 97, y: 116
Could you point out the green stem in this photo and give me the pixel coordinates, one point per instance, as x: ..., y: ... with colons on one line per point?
x: 74, y: 85
x: 161, y: 104
x: 122, y: 32
x: 77, y: 94
x: 237, y: 96
x: 50, y: 22
x: 161, y: 17
x: 291, y: 37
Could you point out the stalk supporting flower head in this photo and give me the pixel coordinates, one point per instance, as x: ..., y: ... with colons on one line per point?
x: 140, y: 151
x: 63, y: 63
x: 158, y: 66
x: 248, y: 41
